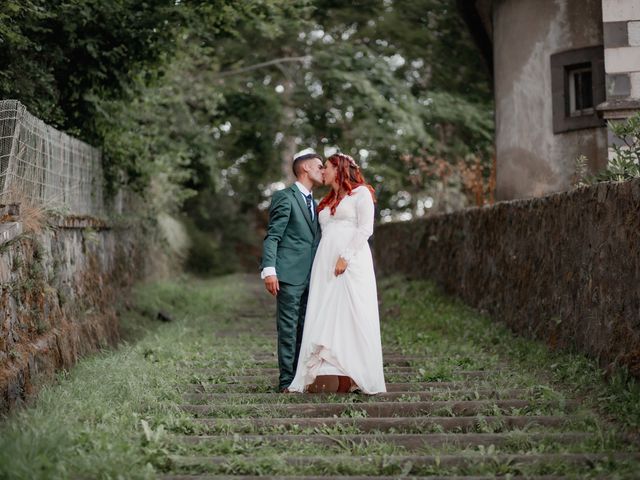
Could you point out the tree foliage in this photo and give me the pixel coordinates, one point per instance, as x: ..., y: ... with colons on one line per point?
x: 379, y: 81
x: 202, y: 103
x: 60, y: 56
x: 624, y: 164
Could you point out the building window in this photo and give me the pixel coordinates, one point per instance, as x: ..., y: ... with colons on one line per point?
x: 580, y: 89
x: 578, y: 86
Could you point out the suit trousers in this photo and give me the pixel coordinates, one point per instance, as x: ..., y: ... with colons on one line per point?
x: 291, y: 310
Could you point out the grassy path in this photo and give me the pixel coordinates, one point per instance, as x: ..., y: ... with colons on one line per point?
x: 195, y: 399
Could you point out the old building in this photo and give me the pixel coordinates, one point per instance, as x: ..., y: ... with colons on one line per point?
x: 561, y: 69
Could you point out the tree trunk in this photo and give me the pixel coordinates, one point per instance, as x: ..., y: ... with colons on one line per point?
x: 289, y: 142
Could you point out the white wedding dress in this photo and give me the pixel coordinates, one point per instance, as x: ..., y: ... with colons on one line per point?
x: 342, y: 328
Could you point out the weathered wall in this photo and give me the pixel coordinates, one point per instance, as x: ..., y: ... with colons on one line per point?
x: 563, y: 268
x: 622, y: 47
x: 61, y: 277
x: 531, y: 159
x: 621, y: 30
x: 59, y: 291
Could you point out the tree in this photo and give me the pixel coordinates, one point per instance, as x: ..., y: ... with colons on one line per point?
x: 374, y: 77
x: 60, y: 56
x: 202, y: 103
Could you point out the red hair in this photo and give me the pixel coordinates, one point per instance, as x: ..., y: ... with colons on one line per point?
x: 348, y: 178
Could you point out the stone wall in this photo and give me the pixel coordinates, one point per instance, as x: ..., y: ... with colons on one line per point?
x: 59, y: 289
x: 621, y: 30
x: 563, y: 268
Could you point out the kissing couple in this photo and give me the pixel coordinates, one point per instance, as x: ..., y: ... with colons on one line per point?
x: 317, y: 263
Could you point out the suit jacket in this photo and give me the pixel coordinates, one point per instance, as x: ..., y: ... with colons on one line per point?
x: 292, y: 237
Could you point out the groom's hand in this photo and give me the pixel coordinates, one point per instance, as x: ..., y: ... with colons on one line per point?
x: 341, y: 266
x: 272, y: 285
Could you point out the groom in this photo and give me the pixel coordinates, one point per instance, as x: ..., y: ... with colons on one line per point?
x: 287, y: 255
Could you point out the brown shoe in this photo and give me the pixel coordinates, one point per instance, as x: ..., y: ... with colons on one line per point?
x: 285, y: 390
x: 344, y: 384
x: 324, y: 384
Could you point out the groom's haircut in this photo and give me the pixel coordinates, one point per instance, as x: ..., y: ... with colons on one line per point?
x: 298, y: 162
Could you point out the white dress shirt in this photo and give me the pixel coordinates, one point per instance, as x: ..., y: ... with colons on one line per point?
x: 269, y: 271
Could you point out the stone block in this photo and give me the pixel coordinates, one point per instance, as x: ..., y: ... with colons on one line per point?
x: 634, y: 79
x: 10, y: 210
x: 616, y: 34
x: 620, y: 10
x: 9, y: 231
x: 15, y: 389
x: 618, y: 86
x: 634, y: 33
x: 622, y: 60
x: 614, y: 140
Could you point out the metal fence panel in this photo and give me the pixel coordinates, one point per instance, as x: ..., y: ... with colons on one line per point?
x: 46, y: 167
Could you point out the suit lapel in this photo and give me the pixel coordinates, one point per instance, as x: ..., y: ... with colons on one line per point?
x: 303, y: 206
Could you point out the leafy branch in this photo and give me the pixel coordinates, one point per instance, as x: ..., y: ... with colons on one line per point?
x: 257, y: 66
x: 625, y: 162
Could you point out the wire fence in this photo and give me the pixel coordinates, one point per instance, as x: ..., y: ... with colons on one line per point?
x: 46, y: 167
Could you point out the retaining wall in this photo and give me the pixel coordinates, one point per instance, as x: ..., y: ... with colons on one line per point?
x: 59, y: 289
x: 563, y: 268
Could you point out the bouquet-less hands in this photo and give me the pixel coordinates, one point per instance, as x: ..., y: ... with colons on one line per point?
x: 341, y: 266
x: 272, y: 284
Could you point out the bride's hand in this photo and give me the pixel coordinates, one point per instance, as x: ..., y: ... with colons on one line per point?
x: 341, y: 266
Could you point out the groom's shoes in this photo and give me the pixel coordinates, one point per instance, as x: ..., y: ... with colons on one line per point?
x: 285, y: 390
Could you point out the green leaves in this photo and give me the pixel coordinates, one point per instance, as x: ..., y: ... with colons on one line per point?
x: 624, y: 164
x: 201, y: 103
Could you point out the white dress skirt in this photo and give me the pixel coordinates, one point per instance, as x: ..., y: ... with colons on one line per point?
x: 342, y: 327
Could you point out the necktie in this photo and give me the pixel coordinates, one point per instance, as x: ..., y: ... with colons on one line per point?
x: 309, y: 199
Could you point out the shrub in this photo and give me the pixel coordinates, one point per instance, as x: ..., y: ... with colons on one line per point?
x: 625, y: 162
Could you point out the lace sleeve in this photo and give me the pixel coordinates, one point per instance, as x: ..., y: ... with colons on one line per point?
x: 364, y: 215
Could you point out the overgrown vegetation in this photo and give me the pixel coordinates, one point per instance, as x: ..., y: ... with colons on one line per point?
x: 625, y: 162
x: 201, y: 104
x: 106, y: 418
x: 117, y: 413
x: 425, y: 320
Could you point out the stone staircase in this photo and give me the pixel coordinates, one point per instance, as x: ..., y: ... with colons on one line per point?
x: 478, y: 424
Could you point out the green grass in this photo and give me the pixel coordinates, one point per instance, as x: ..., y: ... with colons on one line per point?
x: 116, y: 414
x: 110, y: 416
x: 418, y: 318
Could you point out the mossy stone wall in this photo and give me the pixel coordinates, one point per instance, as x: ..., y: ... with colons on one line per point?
x: 58, y: 298
x: 564, y: 268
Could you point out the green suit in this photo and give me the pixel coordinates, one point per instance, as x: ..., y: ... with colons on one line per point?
x: 289, y: 246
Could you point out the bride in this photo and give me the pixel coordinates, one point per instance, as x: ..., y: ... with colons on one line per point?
x: 341, y: 349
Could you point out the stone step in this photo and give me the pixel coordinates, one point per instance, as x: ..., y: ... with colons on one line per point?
x: 408, y: 441
x: 216, y: 374
x: 391, y: 387
x: 386, y: 355
x: 397, y: 360
x: 397, y: 424
x: 245, y: 333
x: 355, y: 477
x: 274, y: 397
x: 481, y: 423
x: 272, y: 362
x: 419, y: 461
x: 260, y: 371
x: 372, y: 409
